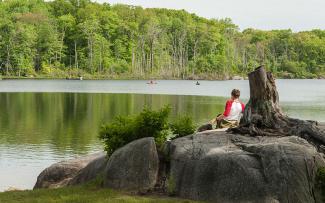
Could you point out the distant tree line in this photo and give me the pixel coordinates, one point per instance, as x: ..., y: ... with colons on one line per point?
x: 78, y: 37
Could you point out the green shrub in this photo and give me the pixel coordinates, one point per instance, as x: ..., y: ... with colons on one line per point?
x: 125, y: 129
x: 120, y: 66
x: 294, y: 67
x: 182, y: 126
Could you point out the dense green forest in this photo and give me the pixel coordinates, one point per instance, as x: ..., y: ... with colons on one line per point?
x: 65, y: 38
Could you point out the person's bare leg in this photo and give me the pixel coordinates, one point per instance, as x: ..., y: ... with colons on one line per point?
x: 216, y: 120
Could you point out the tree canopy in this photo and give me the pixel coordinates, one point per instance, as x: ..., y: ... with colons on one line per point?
x: 61, y: 38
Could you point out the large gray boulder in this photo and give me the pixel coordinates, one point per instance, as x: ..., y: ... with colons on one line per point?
x: 93, y: 170
x: 133, y: 167
x: 60, y: 174
x: 221, y: 167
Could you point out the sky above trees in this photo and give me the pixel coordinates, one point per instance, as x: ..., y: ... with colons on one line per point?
x: 260, y: 14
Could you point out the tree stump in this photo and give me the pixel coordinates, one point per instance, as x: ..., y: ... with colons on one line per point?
x: 264, y: 117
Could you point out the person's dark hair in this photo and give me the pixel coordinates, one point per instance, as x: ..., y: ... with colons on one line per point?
x: 235, y: 93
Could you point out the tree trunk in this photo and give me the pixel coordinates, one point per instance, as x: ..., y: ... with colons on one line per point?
x: 264, y: 117
x: 8, y: 60
x: 61, y: 45
x: 263, y: 107
x: 75, y: 55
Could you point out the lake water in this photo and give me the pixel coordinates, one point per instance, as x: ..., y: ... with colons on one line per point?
x: 46, y: 121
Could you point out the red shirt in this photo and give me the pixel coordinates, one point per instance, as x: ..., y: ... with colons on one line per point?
x: 228, y: 107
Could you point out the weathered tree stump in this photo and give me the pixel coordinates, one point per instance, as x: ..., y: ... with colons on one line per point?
x: 264, y: 117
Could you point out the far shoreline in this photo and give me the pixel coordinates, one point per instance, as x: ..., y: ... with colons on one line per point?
x: 141, y: 78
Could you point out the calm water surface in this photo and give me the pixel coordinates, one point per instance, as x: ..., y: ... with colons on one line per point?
x: 45, y: 121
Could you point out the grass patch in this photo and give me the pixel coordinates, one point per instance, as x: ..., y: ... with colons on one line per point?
x: 81, y: 194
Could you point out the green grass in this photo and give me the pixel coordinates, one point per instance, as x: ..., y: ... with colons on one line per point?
x: 80, y: 194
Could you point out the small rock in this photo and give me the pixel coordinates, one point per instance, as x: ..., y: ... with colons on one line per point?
x: 10, y: 189
x: 236, y: 77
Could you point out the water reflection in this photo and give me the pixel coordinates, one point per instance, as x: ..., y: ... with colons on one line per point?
x: 72, y: 119
x: 38, y: 129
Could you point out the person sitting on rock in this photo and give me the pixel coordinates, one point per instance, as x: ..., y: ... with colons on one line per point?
x: 233, y: 112
x: 230, y: 117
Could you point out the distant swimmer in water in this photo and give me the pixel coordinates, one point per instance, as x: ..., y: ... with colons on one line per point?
x: 151, y: 82
x: 197, y: 83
